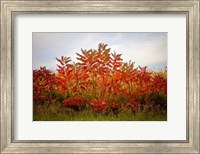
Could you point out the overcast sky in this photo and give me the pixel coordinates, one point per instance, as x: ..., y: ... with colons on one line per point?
x: 145, y: 49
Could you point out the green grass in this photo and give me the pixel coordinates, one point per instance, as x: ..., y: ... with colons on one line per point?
x: 56, y: 112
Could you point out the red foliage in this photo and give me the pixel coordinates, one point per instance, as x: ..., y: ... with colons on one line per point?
x: 44, y: 81
x: 64, y: 75
x: 98, y: 104
x: 75, y: 102
x: 104, y: 76
x: 134, y: 105
x: 159, y: 84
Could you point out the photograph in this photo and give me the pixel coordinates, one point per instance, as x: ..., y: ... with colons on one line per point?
x: 99, y: 76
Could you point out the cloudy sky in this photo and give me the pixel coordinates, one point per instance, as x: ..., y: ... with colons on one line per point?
x: 145, y: 49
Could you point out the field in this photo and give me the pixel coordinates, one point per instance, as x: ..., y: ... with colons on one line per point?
x: 100, y: 86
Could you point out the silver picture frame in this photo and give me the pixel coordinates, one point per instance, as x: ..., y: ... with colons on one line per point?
x: 11, y: 7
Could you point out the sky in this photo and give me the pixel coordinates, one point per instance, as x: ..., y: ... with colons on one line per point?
x: 144, y: 48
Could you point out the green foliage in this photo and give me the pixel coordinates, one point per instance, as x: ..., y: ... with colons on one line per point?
x: 56, y: 112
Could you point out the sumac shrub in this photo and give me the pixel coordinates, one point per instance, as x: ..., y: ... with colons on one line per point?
x: 102, y: 82
x: 44, y: 82
x: 77, y: 103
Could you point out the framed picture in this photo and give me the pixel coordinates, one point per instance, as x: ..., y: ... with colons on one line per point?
x: 100, y: 76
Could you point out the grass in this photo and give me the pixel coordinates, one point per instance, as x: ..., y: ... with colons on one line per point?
x: 56, y: 112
